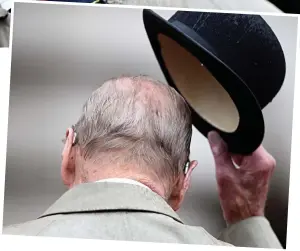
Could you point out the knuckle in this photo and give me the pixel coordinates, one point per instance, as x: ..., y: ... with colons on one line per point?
x: 266, y: 163
x: 270, y: 162
x: 267, y: 159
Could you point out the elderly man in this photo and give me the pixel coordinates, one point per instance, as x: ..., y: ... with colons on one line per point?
x: 126, y: 164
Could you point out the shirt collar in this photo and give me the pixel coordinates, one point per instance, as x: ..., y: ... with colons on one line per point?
x: 123, y: 180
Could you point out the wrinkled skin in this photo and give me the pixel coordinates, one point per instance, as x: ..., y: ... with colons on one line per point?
x: 243, y: 189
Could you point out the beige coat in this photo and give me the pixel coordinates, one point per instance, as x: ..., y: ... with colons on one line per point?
x: 120, y: 211
x: 116, y: 211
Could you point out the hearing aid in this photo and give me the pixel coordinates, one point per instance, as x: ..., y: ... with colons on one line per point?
x: 186, y: 168
x: 75, y: 137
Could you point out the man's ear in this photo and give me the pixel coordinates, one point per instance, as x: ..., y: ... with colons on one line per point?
x: 181, y: 187
x: 68, y: 160
x: 188, y: 175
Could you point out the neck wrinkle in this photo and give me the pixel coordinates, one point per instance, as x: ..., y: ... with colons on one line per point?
x: 156, y: 187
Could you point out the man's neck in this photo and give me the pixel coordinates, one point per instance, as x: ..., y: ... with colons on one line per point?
x: 156, y: 187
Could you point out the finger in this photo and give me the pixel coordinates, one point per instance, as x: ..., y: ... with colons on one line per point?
x: 221, y: 155
x: 218, y: 146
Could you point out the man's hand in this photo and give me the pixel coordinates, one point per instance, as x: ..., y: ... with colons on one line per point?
x: 243, y: 189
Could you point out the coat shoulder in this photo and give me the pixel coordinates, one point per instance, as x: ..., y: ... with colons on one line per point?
x: 30, y: 228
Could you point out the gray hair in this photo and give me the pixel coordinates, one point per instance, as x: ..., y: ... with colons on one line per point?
x: 140, y: 121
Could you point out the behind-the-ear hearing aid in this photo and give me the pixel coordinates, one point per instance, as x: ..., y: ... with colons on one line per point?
x: 75, y: 138
x: 186, y: 167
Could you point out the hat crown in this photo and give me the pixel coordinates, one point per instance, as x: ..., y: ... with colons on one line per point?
x: 245, y: 43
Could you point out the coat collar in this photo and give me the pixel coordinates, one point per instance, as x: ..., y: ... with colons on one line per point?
x: 108, y: 196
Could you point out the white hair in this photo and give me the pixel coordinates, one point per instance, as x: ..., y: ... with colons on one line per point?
x: 139, y: 121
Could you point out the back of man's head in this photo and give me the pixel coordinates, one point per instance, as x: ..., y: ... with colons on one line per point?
x: 138, y: 125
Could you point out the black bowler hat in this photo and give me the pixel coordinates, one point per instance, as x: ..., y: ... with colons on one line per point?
x: 228, y: 67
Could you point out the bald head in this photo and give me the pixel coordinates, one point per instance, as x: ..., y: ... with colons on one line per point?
x: 137, y: 122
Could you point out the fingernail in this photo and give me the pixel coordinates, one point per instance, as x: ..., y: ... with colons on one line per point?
x: 215, y: 142
x: 214, y: 138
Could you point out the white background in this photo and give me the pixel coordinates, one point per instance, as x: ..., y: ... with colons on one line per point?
x: 46, y: 100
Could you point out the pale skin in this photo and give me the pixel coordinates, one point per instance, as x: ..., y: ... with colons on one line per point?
x: 242, y: 191
x: 72, y: 162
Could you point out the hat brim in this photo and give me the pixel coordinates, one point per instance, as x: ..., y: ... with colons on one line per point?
x: 250, y: 130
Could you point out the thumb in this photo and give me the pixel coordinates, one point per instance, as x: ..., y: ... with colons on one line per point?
x: 219, y: 149
x: 217, y: 145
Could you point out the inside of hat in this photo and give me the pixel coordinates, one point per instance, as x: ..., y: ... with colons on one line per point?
x: 198, y: 86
